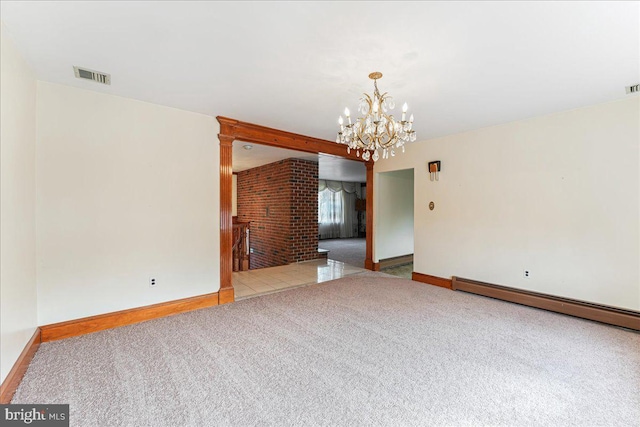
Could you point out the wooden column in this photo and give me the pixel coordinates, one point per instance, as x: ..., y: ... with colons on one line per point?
x: 226, y: 294
x: 368, y: 260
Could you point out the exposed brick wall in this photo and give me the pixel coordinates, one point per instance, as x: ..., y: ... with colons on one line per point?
x: 304, y: 210
x: 281, y: 202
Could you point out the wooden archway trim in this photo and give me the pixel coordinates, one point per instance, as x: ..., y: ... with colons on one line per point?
x: 231, y: 130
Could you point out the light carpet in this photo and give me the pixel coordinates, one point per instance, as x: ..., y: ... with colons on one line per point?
x: 363, y: 350
x: 350, y: 251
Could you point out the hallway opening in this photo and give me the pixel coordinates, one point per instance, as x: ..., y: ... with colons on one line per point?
x: 395, y: 222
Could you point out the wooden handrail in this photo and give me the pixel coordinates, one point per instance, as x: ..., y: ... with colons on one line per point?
x: 240, y: 246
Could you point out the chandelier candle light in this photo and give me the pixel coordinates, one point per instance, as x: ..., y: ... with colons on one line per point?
x: 376, y: 131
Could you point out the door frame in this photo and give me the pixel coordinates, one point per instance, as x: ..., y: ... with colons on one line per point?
x: 231, y: 130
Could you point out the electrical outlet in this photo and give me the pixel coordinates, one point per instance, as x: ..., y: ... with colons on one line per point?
x: 152, y: 282
x: 527, y: 274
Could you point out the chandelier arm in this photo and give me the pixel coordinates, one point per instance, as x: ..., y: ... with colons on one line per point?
x: 369, y: 102
x: 361, y: 144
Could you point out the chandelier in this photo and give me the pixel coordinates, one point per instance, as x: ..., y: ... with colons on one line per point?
x: 377, y: 131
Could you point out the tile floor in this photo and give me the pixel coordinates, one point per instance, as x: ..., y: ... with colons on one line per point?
x: 403, y: 271
x: 266, y: 280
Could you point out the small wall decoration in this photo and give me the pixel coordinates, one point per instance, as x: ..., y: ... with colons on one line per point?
x: 434, y: 170
x: 431, y: 206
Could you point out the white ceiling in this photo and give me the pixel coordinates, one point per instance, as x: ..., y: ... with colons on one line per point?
x: 296, y: 65
x: 262, y: 155
x: 329, y: 167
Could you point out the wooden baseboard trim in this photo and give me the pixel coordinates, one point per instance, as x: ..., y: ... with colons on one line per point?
x: 600, y: 313
x: 369, y: 264
x: 12, y: 381
x: 226, y: 296
x: 431, y: 280
x: 395, y: 261
x: 376, y: 266
x: 87, y: 325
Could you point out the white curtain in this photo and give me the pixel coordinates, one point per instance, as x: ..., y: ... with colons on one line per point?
x: 337, y: 216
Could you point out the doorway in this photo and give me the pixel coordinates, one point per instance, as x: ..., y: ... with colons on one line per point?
x: 395, y: 222
x: 231, y: 130
x: 342, y: 211
x: 275, y: 222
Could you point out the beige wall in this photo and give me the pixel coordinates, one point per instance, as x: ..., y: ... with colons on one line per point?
x: 126, y: 190
x: 18, y: 304
x: 557, y: 195
x: 393, y: 214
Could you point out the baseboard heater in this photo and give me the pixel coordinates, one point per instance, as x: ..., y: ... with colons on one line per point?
x: 600, y: 313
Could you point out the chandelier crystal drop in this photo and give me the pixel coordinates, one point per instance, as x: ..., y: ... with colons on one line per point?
x: 377, y: 134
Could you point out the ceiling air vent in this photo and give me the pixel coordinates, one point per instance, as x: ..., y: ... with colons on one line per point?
x: 96, y: 76
x: 632, y: 89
